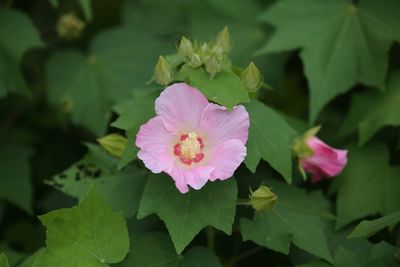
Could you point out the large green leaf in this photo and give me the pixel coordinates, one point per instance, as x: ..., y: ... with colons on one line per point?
x: 368, y: 185
x: 371, y: 110
x: 381, y: 254
x: 156, y: 249
x: 225, y: 88
x: 17, y: 35
x: 90, y: 234
x: 87, y: 86
x: 342, y: 43
x: 15, y: 185
x: 132, y: 114
x: 368, y: 228
x: 3, y: 260
x: 122, y: 190
x: 186, y: 214
x: 294, y: 219
x: 270, y: 139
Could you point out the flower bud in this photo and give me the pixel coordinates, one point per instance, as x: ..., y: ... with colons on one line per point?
x: 223, y: 40
x: 213, y: 63
x: 251, y: 78
x: 69, y: 26
x: 195, y: 60
x: 163, y: 72
x: 263, y: 198
x: 185, y: 48
x: 114, y: 144
x: 317, y: 158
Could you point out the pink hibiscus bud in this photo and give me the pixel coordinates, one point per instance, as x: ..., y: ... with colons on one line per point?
x: 192, y: 140
x: 317, y: 158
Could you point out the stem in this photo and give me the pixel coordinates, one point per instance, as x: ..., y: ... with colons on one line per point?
x: 243, y: 255
x: 243, y: 202
x: 210, y: 237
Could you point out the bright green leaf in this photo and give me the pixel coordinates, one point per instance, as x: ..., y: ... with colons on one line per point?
x: 367, y: 186
x: 122, y: 190
x: 90, y: 234
x: 368, y: 228
x: 3, y: 260
x: 15, y: 185
x: 342, y: 43
x: 225, y: 89
x: 294, y: 219
x: 17, y: 35
x: 88, y: 86
x: 156, y: 249
x: 186, y: 214
x: 270, y: 139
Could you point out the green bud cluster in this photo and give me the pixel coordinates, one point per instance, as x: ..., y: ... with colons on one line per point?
x: 70, y: 27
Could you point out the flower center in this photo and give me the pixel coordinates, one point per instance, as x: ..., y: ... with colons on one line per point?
x: 189, y: 149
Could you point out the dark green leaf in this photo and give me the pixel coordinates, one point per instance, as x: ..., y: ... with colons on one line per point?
x: 368, y: 228
x: 122, y: 190
x: 15, y: 185
x: 342, y: 43
x: 294, y: 219
x: 186, y: 214
x: 270, y: 139
x: 156, y: 249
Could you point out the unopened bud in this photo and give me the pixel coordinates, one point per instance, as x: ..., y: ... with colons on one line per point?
x: 114, y: 144
x: 70, y: 27
x: 263, y: 198
x: 195, y: 60
x: 251, y: 78
x: 163, y: 72
x: 223, y: 40
x: 185, y: 47
x: 213, y: 64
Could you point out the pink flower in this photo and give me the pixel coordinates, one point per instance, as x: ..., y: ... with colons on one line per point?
x: 325, y: 160
x: 191, y: 139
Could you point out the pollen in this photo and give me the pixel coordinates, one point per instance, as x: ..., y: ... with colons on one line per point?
x: 189, y: 149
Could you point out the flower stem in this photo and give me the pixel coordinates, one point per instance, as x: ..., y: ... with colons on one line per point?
x: 243, y: 255
x: 210, y: 237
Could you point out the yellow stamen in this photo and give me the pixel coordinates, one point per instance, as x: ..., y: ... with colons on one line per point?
x: 190, y: 147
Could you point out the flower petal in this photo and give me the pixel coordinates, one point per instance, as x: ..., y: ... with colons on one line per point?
x: 220, y: 125
x: 196, y: 177
x: 155, y: 142
x: 180, y: 105
x: 226, y: 158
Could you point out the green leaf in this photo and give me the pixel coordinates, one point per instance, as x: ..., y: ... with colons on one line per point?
x: 3, y: 260
x: 88, y: 86
x: 17, y: 35
x: 225, y: 89
x: 85, y: 6
x: 186, y: 214
x: 90, y: 234
x: 315, y: 264
x: 342, y: 43
x: 381, y: 254
x: 371, y: 111
x: 270, y: 139
x: 15, y: 185
x: 33, y: 259
x: 367, y: 186
x: 132, y: 114
x: 368, y: 228
x: 156, y: 249
x: 122, y: 190
x: 294, y: 219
